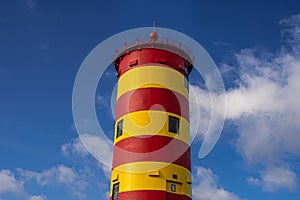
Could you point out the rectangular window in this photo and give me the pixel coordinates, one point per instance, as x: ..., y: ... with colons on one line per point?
x: 174, y: 176
x: 173, y: 124
x: 115, y: 192
x: 173, y: 187
x: 119, y: 128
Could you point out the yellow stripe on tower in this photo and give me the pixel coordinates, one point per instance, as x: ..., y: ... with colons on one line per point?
x: 152, y: 137
x: 152, y: 122
x: 151, y: 176
x: 152, y: 76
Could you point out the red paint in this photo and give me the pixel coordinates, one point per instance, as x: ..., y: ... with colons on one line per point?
x: 145, y: 99
x: 153, y: 56
x: 152, y: 148
x: 153, y: 36
x: 155, y: 148
x: 150, y: 195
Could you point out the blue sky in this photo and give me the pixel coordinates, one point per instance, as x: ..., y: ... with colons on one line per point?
x: 255, y: 45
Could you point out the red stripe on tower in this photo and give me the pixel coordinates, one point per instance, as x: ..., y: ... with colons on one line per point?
x: 152, y: 121
x: 160, y: 99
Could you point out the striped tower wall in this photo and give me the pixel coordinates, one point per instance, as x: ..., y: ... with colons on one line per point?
x: 151, y: 159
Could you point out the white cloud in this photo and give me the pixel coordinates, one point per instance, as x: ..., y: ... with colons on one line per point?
x: 9, y: 184
x: 88, y: 144
x: 100, y: 148
x: 75, y: 147
x: 206, y: 187
x: 274, y: 178
x: 75, y: 181
x: 264, y: 106
x: 292, y: 31
x: 54, y: 176
x: 37, y: 198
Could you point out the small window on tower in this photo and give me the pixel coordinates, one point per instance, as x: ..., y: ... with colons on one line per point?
x: 119, y: 128
x: 115, y: 192
x: 173, y: 187
x: 173, y: 124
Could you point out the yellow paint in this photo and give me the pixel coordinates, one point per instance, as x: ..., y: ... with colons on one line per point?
x: 135, y: 176
x: 152, y: 76
x: 152, y: 122
x: 152, y: 175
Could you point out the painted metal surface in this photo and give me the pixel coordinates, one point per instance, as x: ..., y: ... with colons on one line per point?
x: 151, y: 195
x: 151, y: 122
x: 160, y: 99
x: 150, y: 55
x: 152, y: 77
x: 154, y: 148
x: 151, y: 161
x: 140, y: 174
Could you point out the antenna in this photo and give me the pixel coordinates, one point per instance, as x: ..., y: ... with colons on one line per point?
x: 154, y: 25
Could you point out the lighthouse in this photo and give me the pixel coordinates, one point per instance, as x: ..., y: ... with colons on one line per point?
x: 151, y: 158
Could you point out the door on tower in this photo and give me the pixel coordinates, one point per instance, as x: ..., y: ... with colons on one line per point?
x: 174, y: 190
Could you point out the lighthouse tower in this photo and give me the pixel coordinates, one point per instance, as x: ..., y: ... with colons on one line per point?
x: 151, y: 158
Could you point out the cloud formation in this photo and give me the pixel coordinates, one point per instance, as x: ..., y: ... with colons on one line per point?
x: 37, y: 198
x: 264, y: 106
x: 275, y: 178
x: 59, y: 175
x: 9, y: 184
x: 206, y: 187
x: 100, y: 149
x: 74, y: 181
x: 75, y: 147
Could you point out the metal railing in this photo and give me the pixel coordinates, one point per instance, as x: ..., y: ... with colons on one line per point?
x: 168, y: 44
